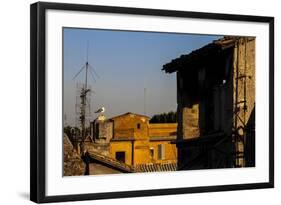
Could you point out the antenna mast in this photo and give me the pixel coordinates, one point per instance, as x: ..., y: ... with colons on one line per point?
x: 144, y: 100
x: 84, y: 92
x: 87, y: 65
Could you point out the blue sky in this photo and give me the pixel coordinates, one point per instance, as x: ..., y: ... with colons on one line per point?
x: 126, y: 63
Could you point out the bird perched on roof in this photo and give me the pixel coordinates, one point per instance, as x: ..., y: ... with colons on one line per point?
x: 101, y: 110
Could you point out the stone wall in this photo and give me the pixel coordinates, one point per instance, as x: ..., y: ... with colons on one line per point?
x: 188, y: 105
x: 191, y: 122
x: 73, y: 164
x: 102, y: 131
x: 243, y: 90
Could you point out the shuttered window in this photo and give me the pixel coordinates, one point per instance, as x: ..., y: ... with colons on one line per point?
x: 161, y: 151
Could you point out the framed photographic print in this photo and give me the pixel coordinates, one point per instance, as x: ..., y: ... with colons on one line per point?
x: 129, y: 102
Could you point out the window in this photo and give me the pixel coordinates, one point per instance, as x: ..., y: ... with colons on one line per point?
x: 161, y: 151
x: 151, y: 153
x: 120, y: 156
x: 138, y: 126
x: 97, y: 131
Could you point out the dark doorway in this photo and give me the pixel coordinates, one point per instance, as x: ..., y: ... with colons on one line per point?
x: 120, y: 156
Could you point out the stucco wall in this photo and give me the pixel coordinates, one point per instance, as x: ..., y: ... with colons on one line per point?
x: 127, y: 126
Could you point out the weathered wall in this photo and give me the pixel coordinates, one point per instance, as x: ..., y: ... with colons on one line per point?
x: 170, y: 152
x: 136, y: 152
x: 163, y: 133
x: 244, y: 89
x: 226, y: 102
x: 188, y: 106
x: 132, y: 134
x: 102, y: 131
x: 121, y: 146
x: 141, y: 152
x: 73, y: 164
x: 141, y: 149
x: 244, y: 65
x: 127, y: 125
x: 190, y: 121
x: 162, y: 129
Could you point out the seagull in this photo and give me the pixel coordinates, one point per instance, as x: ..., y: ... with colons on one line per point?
x: 101, y: 110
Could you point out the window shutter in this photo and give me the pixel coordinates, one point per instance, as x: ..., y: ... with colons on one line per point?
x: 163, y: 151
x: 159, y: 151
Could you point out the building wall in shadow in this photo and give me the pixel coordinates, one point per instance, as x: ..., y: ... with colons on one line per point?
x: 216, y: 99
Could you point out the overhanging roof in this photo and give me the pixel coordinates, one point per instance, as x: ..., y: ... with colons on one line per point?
x: 197, y: 57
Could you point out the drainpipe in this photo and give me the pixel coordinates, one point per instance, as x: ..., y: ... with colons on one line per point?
x: 133, y: 150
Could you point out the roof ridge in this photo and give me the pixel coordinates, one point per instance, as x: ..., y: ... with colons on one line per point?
x: 127, y: 113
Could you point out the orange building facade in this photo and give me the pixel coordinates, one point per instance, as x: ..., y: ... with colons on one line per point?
x: 136, y: 142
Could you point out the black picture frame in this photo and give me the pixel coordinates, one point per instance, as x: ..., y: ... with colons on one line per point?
x: 38, y: 101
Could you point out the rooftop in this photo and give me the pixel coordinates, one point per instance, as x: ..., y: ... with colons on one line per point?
x: 129, y: 113
x: 197, y: 57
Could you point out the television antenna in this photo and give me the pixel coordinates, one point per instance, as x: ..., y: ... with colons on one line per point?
x: 84, y: 93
